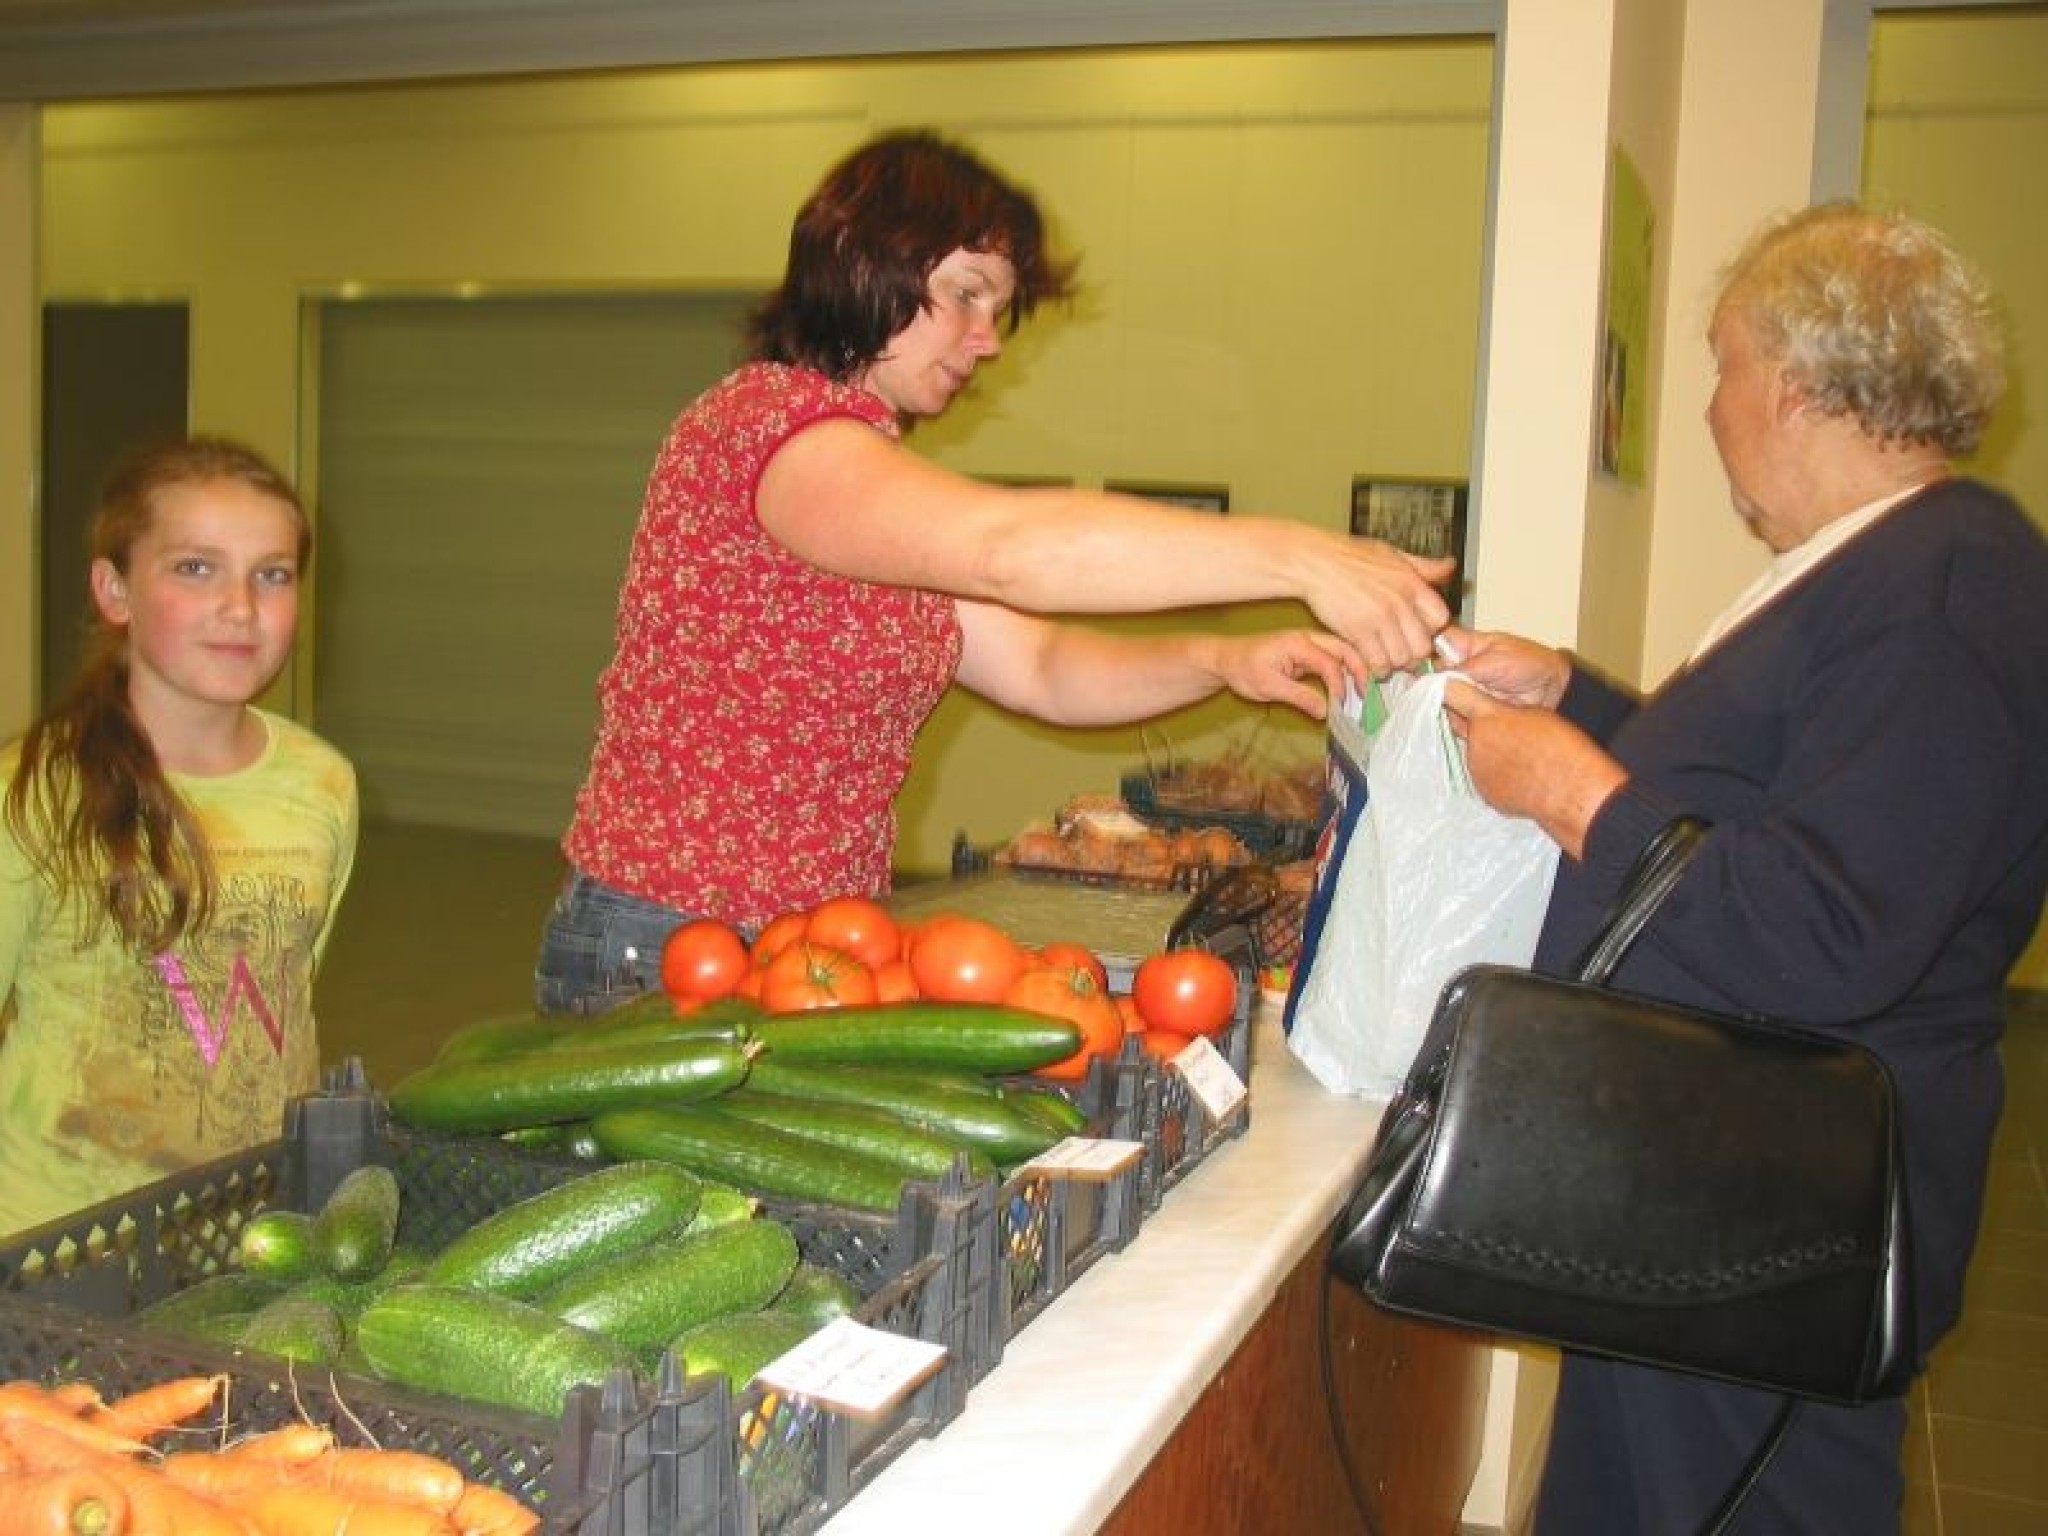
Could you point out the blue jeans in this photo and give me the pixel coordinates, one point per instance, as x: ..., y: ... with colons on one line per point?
x: 600, y: 947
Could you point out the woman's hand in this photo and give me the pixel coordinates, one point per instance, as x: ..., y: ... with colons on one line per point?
x: 1384, y: 602
x: 1509, y: 667
x: 1299, y: 667
x: 1533, y: 762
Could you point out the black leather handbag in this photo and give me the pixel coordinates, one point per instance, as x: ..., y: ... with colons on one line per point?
x: 1643, y: 1181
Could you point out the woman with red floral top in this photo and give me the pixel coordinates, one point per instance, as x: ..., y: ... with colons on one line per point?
x: 802, y: 589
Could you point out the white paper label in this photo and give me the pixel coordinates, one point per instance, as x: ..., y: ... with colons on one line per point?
x: 1210, y: 1078
x: 853, y: 1368
x: 1088, y: 1157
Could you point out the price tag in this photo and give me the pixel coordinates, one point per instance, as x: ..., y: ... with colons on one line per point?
x: 1210, y: 1078
x: 1090, y: 1158
x: 853, y: 1368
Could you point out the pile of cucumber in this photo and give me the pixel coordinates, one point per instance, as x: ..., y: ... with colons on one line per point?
x: 606, y: 1271
x: 838, y: 1107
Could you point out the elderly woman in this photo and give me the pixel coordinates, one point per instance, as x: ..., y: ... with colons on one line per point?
x: 1866, y: 729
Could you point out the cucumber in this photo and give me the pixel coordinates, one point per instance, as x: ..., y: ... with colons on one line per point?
x: 302, y: 1328
x: 739, y: 1346
x: 858, y: 1128
x: 501, y: 1094
x: 349, y: 1297
x: 1050, y: 1107
x: 986, y: 1124
x: 754, y: 1157
x: 541, y: 1240
x: 721, y: 1206
x: 234, y: 1294
x: 491, y: 1349
x: 645, y: 1298
x: 981, y: 1037
x: 651, y: 1016
x: 278, y: 1246
x: 817, y: 1295
x: 353, y: 1233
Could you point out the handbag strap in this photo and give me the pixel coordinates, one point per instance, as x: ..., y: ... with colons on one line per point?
x: 1657, y: 869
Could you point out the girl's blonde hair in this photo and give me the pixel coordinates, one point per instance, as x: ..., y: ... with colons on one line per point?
x: 90, y: 803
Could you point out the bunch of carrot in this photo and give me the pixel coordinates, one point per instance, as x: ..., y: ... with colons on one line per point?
x: 72, y: 1464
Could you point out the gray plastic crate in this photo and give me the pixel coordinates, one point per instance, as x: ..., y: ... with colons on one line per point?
x: 628, y: 1455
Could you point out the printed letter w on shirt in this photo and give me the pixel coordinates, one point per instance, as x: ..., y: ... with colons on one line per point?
x: 211, y: 1036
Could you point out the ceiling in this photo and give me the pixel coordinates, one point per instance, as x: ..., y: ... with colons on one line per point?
x: 53, y: 50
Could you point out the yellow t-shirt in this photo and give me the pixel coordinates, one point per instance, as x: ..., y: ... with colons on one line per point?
x: 116, y: 1069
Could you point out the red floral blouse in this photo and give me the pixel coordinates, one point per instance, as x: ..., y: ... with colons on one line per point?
x: 756, y: 721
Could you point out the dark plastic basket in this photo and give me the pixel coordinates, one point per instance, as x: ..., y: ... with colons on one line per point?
x: 1267, y: 837
x: 627, y: 1456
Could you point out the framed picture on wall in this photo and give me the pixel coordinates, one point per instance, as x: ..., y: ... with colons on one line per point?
x: 1028, y: 482
x: 1178, y: 493
x: 1424, y: 517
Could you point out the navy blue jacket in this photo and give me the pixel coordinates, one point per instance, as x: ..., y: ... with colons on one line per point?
x: 1872, y: 751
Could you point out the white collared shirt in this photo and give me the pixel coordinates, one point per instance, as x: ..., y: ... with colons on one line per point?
x: 1787, y: 568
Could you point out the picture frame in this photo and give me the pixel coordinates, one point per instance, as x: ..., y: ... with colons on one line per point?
x: 1194, y: 496
x: 1421, y: 515
x: 1028, y: 482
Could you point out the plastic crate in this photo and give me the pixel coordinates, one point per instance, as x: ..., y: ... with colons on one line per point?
x: 1268, y: 837
x: 627, y: 1455
x: 1176, y: 1130
x: 1051, y: 1230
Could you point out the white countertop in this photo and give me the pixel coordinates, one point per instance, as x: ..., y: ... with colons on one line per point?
x: 1052, y: 1439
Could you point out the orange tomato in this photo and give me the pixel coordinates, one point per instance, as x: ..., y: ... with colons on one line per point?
x: 894, y: 983
x: 806, y: 975
x: 1061, y: 952
x: 964, y: 960
x: 1127, y: 1012
x: 776, y: 936
x: 1070, y: 993
x: 703, y: 958
x: 860, y: 926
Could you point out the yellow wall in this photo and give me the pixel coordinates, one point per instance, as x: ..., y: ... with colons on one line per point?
x: 1281, y: 247
x: 19, y: 339
x: 1958, y: 133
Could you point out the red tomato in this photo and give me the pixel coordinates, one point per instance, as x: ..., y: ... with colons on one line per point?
x: 1071, y: 994
x: 703, y: 958
x: 965, y: 960
x: 1185, y: 992
x: 1061, y: 953
x: 860, y: 926
x: 807, y: 975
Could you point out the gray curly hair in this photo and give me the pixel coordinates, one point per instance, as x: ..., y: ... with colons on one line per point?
x: 1875, y: 316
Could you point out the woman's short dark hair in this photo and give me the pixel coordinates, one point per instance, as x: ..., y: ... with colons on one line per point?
x: 862, y: 250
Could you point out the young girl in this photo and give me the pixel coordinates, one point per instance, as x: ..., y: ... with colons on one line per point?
x: 170, y: 856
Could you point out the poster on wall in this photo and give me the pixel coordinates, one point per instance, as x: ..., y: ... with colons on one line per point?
x: 1625, y: 328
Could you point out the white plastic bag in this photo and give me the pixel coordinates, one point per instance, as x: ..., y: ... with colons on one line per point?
x: 1432, y: 880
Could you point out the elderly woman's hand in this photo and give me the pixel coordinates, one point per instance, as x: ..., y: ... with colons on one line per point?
x: 1302, y: 668
x: 1507, y: 666
x: 1533, y: 762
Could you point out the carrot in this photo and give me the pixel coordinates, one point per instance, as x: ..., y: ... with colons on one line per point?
x: 409, y: 1477
x: 486, y: 1511
x: 52, y: 1444
x: 299, y: 1510
x: 225, y: 1478
x: 154, y: 1409
x: 292, y: 1444
x: 79, y: 1396
x: 79, y: 1502
x: 159, y: 1507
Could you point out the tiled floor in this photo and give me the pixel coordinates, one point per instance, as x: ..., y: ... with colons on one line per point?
x: 440, y: 927
x: 1977, y: 1445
